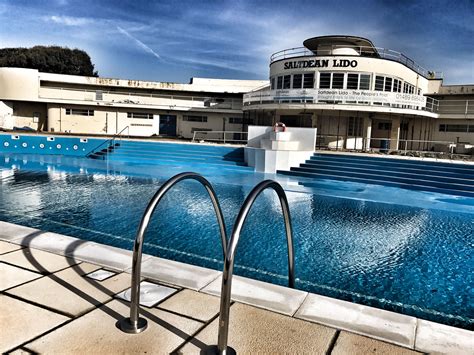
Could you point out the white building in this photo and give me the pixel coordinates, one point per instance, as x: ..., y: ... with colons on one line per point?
x: 359, y: 97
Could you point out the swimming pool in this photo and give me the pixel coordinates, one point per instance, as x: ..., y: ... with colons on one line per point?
x: 409, y: 252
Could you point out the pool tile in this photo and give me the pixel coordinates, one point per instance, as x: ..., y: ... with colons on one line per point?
x: 261, y: 294
x: 11, y: 276
x: 96, y: 333
x: 21, y: 321
x: 388, y: 326
x: 150, y: 293
x: 256, y: 331
x: 70, y: 292
x: 37, y: 260
x: 192, y: 304
x: 8, y: 247
x: 349, y: 343
x: 435, y: 338
x: 176, y: 273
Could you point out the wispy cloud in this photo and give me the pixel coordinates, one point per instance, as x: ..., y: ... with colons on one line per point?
x: 139, y: 43
x: 68, y: 20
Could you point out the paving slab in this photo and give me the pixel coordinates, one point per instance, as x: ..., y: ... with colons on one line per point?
x: 8, y: 247
x: 349, y: 343
x: 261, y: 294
x: 105, y: 255
x: 11, y: 232
x: 435, y: 338
x: 70, y: 292
x: 193, y: 304
x: 11, y: 276
x: 38, y: 260
x: 253, y: 330
x: 96, y: 333
x: 20, y: 321
x: 380, y: 324
x: 179, y: 274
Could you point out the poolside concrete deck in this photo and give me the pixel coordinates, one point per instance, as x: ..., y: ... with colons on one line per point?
x: 48, y: 304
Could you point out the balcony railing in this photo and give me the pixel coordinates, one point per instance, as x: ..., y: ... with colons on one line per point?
x: 383, y: 53
x: 342, y: 97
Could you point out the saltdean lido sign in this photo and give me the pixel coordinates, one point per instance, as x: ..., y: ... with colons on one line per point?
x: 320, y: 63
x: 339, y: 95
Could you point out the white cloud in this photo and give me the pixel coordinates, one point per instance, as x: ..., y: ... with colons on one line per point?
x: 68, y: 20
x: 139, y: 43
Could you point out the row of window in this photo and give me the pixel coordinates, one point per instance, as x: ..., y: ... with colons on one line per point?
x: 459, y: 128
x: 149, y: 116
x: 338, y: 80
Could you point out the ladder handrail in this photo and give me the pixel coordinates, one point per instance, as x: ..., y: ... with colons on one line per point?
x: 227, y: 273
x: 111, y: 140
x: 134, y: 324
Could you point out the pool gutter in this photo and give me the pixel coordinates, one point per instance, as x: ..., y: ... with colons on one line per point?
x: 391, y: 327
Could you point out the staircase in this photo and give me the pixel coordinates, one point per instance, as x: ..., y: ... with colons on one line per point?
x: 448, y: 178
x: 136, y: 152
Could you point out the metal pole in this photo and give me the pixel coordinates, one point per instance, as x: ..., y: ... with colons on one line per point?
x: 134, y: 324
x: 231, y: 248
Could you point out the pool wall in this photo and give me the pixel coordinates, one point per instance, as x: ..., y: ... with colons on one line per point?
x: 51, y: 145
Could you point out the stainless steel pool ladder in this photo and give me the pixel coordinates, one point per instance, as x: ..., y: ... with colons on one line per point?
x: 135, y: 325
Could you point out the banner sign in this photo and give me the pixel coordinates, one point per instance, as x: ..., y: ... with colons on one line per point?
x: 344, y: 95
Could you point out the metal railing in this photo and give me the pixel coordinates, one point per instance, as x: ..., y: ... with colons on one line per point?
x: 459, y: 107
x: 220, y: 136
x: 110, y: 142
x: 363, y: 51
x: 134, y: 324
x: 227, y: 273
x: 334, y: 142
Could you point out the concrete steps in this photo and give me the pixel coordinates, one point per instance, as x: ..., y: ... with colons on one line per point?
x: 409, y: 174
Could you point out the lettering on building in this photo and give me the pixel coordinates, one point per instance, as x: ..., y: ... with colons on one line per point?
x: 320, y: 63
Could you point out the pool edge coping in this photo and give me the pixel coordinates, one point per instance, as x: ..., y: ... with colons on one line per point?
x: 395, y: 328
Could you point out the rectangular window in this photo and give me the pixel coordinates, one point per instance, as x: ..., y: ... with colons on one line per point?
x: 280, y: 82
x: 459, y: 128
x: 379, y: 82
x: 273, y: 83
x: 140, y: 115
x: 235, y: 120
x: 194, y: 118
x: 79, y: 112
x: 355, y: 126
x: 442, y: 128
x: 364, y: 83
x: 353, y: 81
x: 337, y: 80
x: 99, y: 95
x: 384, y: 126
x: 286, y: 81
x: 324, y: 80
x: 297, y: 81
x: 308, y: 81
x: 388, y: 84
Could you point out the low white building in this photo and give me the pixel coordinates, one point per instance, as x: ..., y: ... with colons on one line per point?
x: 89, y: 105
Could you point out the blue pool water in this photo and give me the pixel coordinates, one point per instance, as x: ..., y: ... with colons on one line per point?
x: 409, y: 252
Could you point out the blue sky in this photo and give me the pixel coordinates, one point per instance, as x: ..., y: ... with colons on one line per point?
x: 176, y: 40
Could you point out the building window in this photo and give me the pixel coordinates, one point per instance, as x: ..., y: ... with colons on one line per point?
x: 388, y: 84
x: 355, y: 126
x: 308, y: 81
x: 235, y: 120
x: 140, y: 115
x: 286, y: 81
x: 325, y: 80
x: 280, y: 82
x: 364, y: 83
x: 379, y: 82
x: 384, y: 126
x: 337, y: 80
x: 79, y: 112
x: 297, y: 81
x: 459, y: 128
x: 273, y: 83
x: 195, y: 118
x: 353, y: 81
x: 397, y: 85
